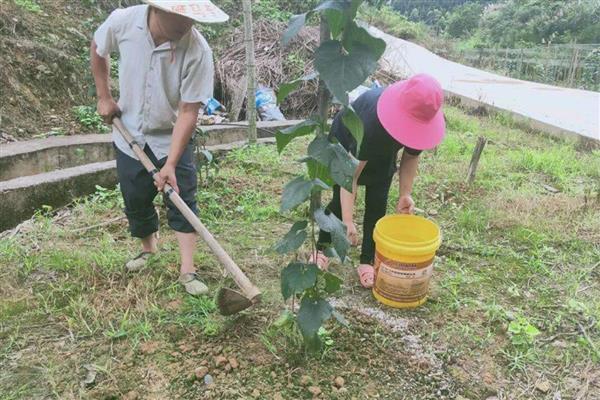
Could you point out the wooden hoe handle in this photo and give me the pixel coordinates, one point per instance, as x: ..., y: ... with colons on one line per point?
x: 248, y: 289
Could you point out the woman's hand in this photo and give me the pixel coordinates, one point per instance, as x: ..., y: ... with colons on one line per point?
x: 405, y: 205
x: 351, y: 233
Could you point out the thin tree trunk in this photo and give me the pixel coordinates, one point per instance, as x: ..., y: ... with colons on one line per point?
x: 323, y: 92
x: 250, y: 71
x: 322, y: 104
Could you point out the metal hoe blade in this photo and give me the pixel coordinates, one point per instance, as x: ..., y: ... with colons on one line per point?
x: 231, y: 302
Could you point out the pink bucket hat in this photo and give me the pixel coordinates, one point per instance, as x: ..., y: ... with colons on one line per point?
x: 411, y: 112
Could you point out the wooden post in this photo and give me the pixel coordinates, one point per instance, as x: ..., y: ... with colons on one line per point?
x: 250, y: 71
x: 475, y: 159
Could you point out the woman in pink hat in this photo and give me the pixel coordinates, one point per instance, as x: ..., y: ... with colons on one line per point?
x: 407, y: 114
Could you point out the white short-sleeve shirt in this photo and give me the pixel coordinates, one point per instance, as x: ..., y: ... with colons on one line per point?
x: 153, y: 80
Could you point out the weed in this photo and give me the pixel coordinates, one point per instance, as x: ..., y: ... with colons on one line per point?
x: 206, y: 164
x: 282, y: 335
x: 89, y: 119
x: 257, y: 206
x: 104, y: 198
x: 295, y: 64
x: 129, y: 328
x: 200, y: 311
x: 29, y: 5
x: 522, y: 333
x: 392, y: 22
x: 270, y: 10
x: 519, y: 360
x: 473, y: 219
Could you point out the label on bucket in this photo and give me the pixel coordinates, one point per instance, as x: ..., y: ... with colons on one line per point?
x: 402, y: 282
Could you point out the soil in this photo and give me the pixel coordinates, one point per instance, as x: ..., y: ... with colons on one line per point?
x: 43, y: 72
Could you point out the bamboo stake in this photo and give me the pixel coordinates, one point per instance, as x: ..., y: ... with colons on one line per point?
x: 250, y: 71
x: 475, y: 159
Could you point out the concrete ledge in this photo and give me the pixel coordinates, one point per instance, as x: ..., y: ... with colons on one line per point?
x: 43, y: 155
x: 521, y: 121
x: 21, y: 196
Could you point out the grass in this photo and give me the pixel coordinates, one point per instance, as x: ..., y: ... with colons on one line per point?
x: 89, y: 119
x: 514, y: 299
x: 29, y: 5
x: 393, y: 23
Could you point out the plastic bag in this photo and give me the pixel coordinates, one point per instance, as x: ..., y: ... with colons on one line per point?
x: 212, y: 105
x: 266, y: 105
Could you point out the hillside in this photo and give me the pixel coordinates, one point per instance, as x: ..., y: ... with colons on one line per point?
x: 44, y: 64
x: 44, y: 70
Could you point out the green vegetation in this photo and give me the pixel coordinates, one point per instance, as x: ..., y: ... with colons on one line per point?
x: 493, y: 22
x: 89, y: 119
x: 393, y: 23
x: 515, y: 258
x: 352, y: 53
x: 29, y: 5
x: 552, y: 42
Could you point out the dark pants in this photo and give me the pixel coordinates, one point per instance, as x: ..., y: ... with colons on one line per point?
x: 137, y: 187
x: 376, y: 199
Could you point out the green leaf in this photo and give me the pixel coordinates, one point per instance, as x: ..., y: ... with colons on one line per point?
x: 514, y: 327
x: 335, y: 21
x: 286, y: 88
x: 340, y: 164
x: 295, y: 192
x: 320, y: 150
x: 338, y: 14
x: 285, y: 136
x: 354, y: 34
x: 333, y: 5
x: 343, y: 71
x: 332, y: 282
x: 298, y: 190
x: 208, y: 156
x: 286, y: 318
x: 294, y: 25
x: 316, y: 170
x: 532, y: 331
x: 342, y: 167
x: 297, y: 277
x: 293, y: 239
x: 353, y: 9
x: 311, y: 316
x: 354, y: 125
x: 332, y: 224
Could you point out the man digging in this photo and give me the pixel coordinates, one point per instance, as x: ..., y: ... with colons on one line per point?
x: 165, y: 72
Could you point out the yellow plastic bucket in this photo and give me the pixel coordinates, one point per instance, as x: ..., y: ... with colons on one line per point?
x: 405, y: 247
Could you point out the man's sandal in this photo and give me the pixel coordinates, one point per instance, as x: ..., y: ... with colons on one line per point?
x: 366, y: 275
x: 139, y: 262
x: 321, y: 260
x: 192, y: 284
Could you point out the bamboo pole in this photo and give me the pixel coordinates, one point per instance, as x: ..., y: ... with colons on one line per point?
x: 475, y: 159
x: 250, y: 71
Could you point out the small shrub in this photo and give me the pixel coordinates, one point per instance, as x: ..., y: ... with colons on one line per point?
x: 393, y: 23
x: 522, y: 333
x: 89, y: 118
x: 29, y: 5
